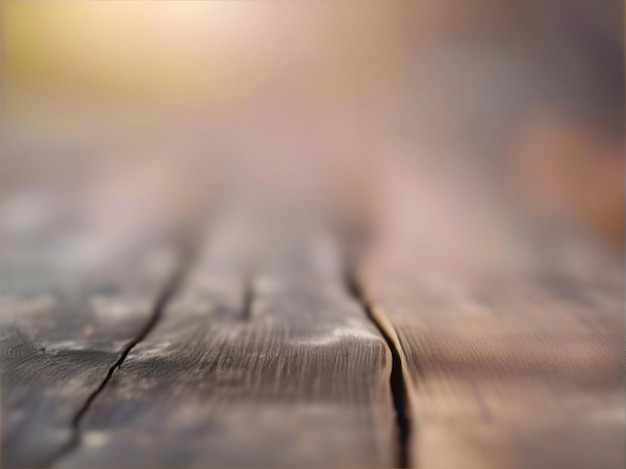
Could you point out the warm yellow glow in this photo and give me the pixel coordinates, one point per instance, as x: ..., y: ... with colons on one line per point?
x: 127, y: 49
x: 215, y: 54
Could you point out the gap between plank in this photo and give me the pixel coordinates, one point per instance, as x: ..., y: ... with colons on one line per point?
x: 248, y: 296
x: 398, y: 380
x: 166, y: 294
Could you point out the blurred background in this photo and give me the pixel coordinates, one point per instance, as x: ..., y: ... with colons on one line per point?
x: 406, y: 122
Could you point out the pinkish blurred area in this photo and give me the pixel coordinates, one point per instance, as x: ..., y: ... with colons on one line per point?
x: 412, y: 122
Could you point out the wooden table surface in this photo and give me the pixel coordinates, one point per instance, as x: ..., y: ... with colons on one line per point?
x: 247, y: 344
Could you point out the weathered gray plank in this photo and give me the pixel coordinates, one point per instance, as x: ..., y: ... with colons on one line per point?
x: 64, y: 323
x: 262, y: 360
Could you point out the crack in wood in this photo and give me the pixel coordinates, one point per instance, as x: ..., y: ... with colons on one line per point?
x: 168, y: 292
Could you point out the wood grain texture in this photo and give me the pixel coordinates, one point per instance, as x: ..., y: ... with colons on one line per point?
x: 262, y: 360
x: 511, y: 369
x: 64, y: 323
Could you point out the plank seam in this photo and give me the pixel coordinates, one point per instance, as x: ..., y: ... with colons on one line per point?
x: 249, y: 295
x: 398, y: 380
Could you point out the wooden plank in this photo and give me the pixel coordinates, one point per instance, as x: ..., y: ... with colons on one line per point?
x: 66, y: 318
x: 514, y: 364
x: 262, y: 360
x: 510, y: 329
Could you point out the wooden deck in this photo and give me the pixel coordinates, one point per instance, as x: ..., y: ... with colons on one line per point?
x: 261, y: 346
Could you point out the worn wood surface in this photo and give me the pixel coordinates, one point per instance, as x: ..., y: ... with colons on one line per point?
x: 65, y: 322
x: 513, y: 369
x: 263, y: 359
x: 264, y: 356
